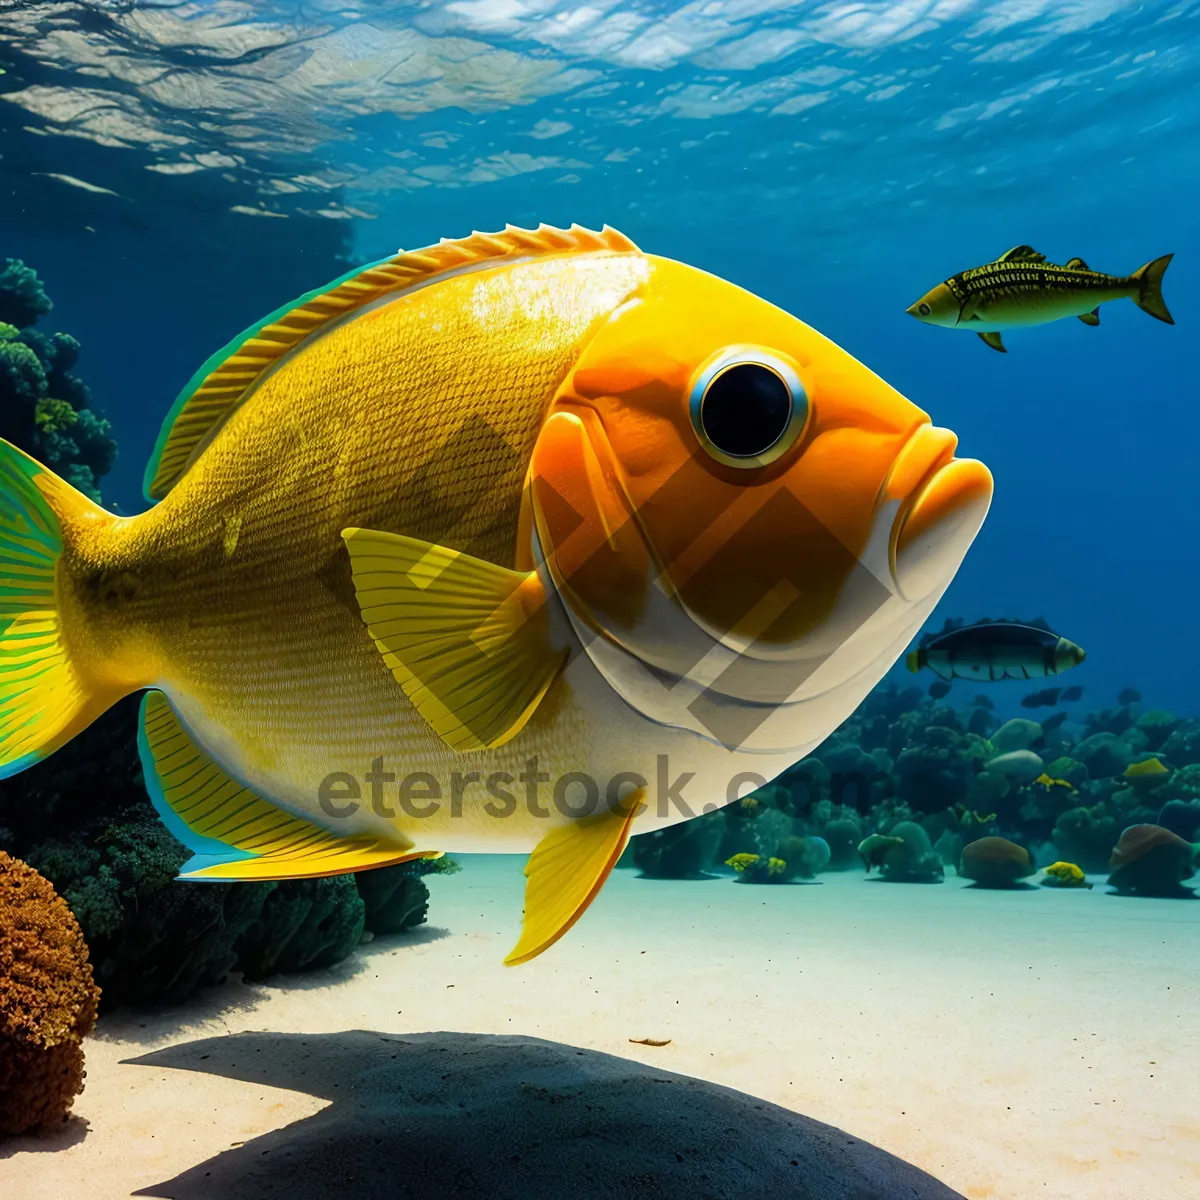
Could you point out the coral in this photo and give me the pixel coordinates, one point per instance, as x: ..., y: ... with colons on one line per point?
x: 47, y: 1001
x: 742, y: 862
x: 914, y: 860
x: 1069, y: 769
x: 683, y: 851
x: 44, y: 408
x: 396, y: 898
x: 1157, y: 725
x: 995, y: 862
x: 1182, y: 746
x: 313, y: 923
x: 1017, y: 734
x: 22, y: 297
x: 1152, y: 861
x: 1086, y: 836
x: 1104, y: 754
x: 936, y: 769
x: 842, y: 835
x: 1017, y: 766
x: 1065, y: 875
x: 804, y: 856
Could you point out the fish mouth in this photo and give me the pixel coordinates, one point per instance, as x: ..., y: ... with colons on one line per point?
x: 942, y: 503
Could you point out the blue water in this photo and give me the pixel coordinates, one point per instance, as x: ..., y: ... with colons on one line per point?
x: 174, y: 172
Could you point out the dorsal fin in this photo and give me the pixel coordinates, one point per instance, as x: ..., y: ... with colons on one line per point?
x: 224, y: 381
x: 1077, y: 264
x: 1021, y: 254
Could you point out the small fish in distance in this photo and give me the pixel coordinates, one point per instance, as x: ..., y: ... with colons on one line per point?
x: 991, y: 650
x: 1021, y: 289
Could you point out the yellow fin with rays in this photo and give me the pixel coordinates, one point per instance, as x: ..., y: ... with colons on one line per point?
x: 216, y: 390
x: 45, y: 699
x: 232, y: 833
x: 566, y: 871
x: 468, y: 641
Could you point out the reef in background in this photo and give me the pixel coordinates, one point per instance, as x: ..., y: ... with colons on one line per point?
x: 910, y: 766
x: 45, y: 408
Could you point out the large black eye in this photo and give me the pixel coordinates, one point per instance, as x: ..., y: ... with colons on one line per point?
x: 748, y: 408
x: 924, y: 310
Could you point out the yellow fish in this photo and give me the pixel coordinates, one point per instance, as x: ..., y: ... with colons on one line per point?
x: 522, y: 542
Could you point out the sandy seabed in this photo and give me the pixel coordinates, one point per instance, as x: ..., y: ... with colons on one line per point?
x: 1013, y: 1044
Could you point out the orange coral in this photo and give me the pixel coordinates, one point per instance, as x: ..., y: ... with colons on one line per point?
x: 47, y: 1001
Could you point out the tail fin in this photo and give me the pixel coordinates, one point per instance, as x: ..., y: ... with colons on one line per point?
x: 44, y: 702
x: 1149, y: 297
x: 912, y: 660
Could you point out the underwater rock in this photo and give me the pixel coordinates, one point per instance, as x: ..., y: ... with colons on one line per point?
x: 914, y: 860
x: 1086, y: 836
x: 1181, y: 817
x: 683, y: 851
x: 442, y: 1115
x: 995, y: 862
x: 1152, y: 861
x: 1018, y: 734
x: 48, y: 1001
x: 1104, y: 755
x: 1019, y: 766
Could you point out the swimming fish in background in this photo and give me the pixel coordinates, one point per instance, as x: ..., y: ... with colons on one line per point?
x: 991, y: 650
x: 520, y: 542
x: 1071, y: 694
x: 1046, y: 698
x: 1021, y: 288
x: 939, y: 690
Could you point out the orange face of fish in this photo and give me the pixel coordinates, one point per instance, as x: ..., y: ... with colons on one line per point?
x: 711, y: 449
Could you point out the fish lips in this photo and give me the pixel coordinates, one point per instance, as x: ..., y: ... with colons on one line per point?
x: 943, y: 503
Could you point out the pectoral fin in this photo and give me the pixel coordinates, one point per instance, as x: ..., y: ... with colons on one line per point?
x: 232, y: 833
x: 1092, y: 318
x: 468, y: 641
x: 566, y: 871
x: 993, y: 340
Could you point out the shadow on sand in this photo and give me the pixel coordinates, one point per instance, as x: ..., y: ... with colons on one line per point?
x: 513, y: 1118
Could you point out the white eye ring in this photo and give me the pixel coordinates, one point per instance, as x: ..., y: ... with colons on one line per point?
x: 791, y: 422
